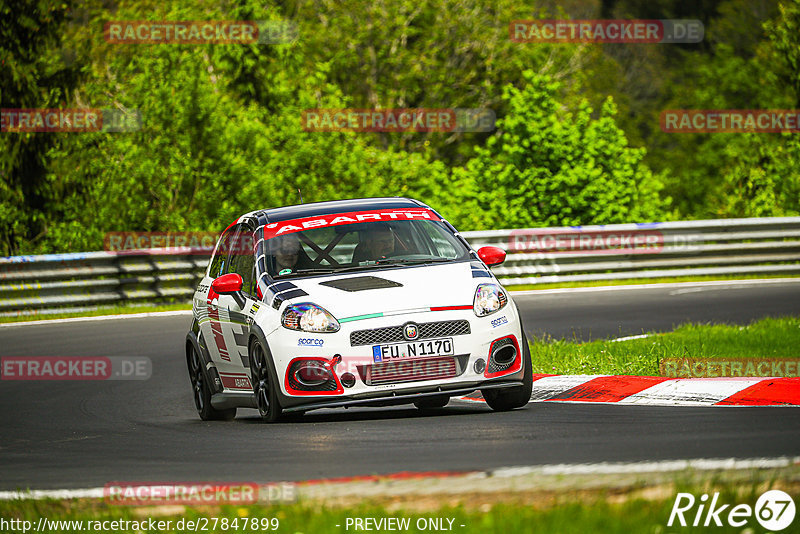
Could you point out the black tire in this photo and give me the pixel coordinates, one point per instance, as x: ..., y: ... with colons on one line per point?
x: 264, y: 383
x: 432, y: 403
x: 201, y: 390
x: 502, y: 400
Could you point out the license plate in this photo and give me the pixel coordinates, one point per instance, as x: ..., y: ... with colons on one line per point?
x: 410, y: 370
x: 413, y: 349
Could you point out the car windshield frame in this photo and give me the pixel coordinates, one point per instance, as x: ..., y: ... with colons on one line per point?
x: 321, y: 244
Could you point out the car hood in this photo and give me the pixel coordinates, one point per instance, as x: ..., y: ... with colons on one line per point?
x: 393, y: 290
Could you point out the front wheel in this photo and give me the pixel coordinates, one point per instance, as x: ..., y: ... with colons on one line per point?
x: 264, y: 384
x: 501, y: 400
x: 201, y: 390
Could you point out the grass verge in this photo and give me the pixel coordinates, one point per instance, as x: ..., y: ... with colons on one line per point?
x: 633, y: 507
x: 767, y: 338
x: 106, y: 310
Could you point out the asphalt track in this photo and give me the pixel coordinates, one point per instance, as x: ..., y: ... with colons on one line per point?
x: 86, y: 434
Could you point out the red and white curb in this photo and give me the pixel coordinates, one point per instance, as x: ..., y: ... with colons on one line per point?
x: 661, y: 391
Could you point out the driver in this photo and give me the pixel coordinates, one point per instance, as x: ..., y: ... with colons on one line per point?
x: 376, y: 244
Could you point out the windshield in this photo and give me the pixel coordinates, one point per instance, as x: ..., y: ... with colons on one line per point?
x: 362, y: 241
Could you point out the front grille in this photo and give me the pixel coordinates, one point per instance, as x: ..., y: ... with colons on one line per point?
x: 393, y: 334
x: 411, y: 370
x: 376, y: 336
x: 443, y: 329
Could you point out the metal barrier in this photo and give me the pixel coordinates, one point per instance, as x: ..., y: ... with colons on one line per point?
x: 650, y: 250
x: 52, y: 282
x: 55, y: 282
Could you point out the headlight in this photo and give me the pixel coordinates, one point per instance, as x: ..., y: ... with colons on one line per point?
x: 489, y: 298
x: 309, y: 317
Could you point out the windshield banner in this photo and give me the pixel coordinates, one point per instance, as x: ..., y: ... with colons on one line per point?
x: 335, y: 219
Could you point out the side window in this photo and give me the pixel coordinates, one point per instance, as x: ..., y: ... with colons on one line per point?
x: 437, y: 238
x: 242, y: 258
x: 219, y: 262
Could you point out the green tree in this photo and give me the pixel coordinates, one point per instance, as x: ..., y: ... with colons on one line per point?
x: 37, y: 73
x: 549, y: 167
x: 762, y: 171
x: 432, y: 54
x: 221, y: 135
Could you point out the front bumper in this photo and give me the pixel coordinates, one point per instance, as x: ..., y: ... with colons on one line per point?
x: 225, y: 400
x: 287, y: 346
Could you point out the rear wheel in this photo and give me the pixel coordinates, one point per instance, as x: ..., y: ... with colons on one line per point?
x: 501, y: 400
x: 264, y: 384
x: 432, y: 403
x: 201, y: 390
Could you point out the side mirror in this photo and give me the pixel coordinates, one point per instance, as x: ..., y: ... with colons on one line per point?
x: 230, y: 284
x: 492, y: 255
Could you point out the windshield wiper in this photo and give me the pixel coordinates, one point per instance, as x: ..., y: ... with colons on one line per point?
x: 323, y: 270
x: 326, y: 270
x: 388, y: 261
x: 383, y: 262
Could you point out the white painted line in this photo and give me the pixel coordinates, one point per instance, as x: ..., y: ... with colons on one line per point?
x: 704, y: 464
x: 90, y: 493
x: 687, y: 290
x: 700, y: 289
x: 628, y: 338
x: 734, y: 284
x: 690, y: 392
x: 99, y: 318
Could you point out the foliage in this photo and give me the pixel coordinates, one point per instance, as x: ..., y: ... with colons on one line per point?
x: 549, y: 166
x: 36, y: 74
x: 221, y: 131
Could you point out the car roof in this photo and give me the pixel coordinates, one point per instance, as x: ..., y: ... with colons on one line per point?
x: 336, y: 206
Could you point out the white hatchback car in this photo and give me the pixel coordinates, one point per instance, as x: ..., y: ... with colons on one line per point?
x: 368, y: 302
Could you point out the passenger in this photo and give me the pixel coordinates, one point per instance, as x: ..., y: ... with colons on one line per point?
x: 289, y: 255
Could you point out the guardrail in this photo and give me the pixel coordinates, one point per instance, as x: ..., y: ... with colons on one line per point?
x: 83, y: 281
x: 65, y: 282
x: 651, y: 250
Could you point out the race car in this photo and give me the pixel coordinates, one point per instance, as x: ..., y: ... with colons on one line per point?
x: 365, y: 302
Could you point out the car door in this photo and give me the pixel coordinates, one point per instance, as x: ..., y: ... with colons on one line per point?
x: 234, y: 320
x: 206, y: 302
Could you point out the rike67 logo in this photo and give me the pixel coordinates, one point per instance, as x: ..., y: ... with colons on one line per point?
x: 774, y: 510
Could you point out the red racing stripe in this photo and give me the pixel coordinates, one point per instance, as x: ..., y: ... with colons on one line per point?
x: 768, y: 392
x: 609, y: 388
